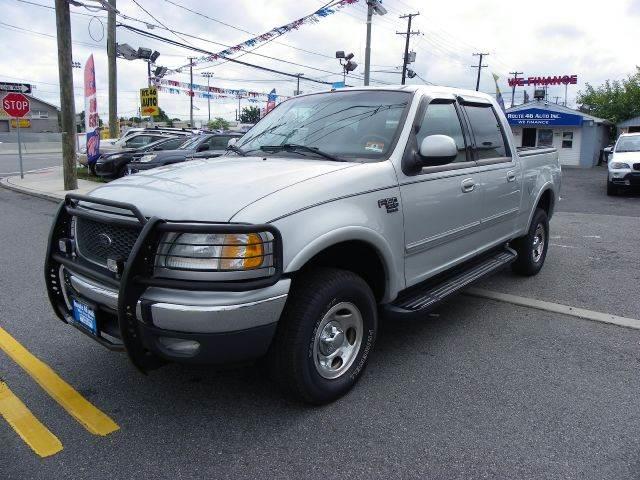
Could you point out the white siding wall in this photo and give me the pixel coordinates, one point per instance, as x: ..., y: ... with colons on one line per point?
x: 568, y: 156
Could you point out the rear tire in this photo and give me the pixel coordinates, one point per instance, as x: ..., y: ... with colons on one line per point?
x: 324, y: 335
x: 532, y: 247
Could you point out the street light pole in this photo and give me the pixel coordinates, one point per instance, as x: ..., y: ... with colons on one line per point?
x: 208, y: 75
x: 191, y: 92
x: 367, y: 48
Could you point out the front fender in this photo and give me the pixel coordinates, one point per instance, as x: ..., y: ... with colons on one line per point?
x: 351, y: 233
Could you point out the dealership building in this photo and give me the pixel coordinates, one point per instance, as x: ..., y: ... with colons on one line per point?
x: 578, y: 137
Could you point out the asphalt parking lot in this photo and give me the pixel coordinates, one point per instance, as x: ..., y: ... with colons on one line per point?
x: 480, y: 389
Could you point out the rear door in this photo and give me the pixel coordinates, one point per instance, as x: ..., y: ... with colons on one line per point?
x: 440, y: 203
x: 499, y: 175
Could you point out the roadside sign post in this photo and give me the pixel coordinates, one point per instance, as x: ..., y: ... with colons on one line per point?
x: 149, y: 102
x: 17, y: 106
x: 19, y: 148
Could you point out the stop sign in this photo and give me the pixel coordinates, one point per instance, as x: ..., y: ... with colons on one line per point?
x: 16, y: 105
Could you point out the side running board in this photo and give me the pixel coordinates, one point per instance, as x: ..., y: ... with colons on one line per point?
x: 423, y: 297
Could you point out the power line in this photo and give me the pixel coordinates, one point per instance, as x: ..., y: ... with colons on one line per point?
x: 206, y: 52
x: 148, y: 13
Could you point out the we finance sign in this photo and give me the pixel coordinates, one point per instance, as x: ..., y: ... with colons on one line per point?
x: 543, y: 81
x: 532, y: 117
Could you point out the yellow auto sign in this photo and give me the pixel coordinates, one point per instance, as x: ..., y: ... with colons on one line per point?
x: 149, y: 102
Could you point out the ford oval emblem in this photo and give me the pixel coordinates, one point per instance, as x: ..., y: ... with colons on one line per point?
x: 104, y: 240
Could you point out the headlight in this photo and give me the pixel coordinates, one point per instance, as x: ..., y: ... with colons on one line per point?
x: 147, y: 158
x: 619, y: 165
x: 218, y: 252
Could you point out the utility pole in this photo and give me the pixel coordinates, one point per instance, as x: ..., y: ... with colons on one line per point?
x: 208, y: 75
x: 406, y: 43
x: 513, y: 90
x: 191, y: 92
x: 298, y: 87
x: 67, y: 107
x: 112, y: 70
x: 480, y: 66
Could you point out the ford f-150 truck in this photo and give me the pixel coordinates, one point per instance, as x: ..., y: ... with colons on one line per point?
x: 335, y: 209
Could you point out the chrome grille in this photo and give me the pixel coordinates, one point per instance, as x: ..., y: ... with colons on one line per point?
x: 98, y: 241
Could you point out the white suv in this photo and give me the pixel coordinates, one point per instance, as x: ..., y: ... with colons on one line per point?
x: 624, y: 163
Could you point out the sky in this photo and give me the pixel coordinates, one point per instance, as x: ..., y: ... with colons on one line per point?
x: 588, y: 39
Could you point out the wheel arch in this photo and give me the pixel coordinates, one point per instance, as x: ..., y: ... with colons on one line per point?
x: 357, y: 249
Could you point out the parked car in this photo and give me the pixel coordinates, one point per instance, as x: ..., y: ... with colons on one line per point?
x: 137, y: 140
x: 335, y: 208
x: 624, y: 164
x: 206, y: 142
x: 217, y: 147
x: 114, y: 165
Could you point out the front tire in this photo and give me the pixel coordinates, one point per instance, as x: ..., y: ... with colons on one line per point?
x: 612, y: 190
x: 324, y: 336
x: 532, y: 247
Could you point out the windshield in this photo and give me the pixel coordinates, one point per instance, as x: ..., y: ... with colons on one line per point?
x: 345, y: 124
x: 628, y: 144
x: 190, y: 143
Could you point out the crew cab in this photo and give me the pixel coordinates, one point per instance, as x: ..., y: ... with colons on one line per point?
x: 336, y: 208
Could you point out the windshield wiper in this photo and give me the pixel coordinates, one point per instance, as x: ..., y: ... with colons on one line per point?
x: 295, y: 147
x: 237, y: 150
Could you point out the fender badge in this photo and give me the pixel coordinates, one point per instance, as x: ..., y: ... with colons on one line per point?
x: 391, y: 204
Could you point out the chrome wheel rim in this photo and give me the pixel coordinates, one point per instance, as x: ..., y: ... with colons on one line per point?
x: 538, y: 243
x: 337, y: 340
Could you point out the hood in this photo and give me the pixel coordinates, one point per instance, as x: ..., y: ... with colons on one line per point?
x: 163, y: 155
x: 212, y: 189
x: 627, y: 157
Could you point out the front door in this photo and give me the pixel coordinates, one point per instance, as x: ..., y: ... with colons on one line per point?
x: 528, y: 137
x: 440, y: 203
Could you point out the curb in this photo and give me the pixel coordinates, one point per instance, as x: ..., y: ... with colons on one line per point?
x: 4, y: 182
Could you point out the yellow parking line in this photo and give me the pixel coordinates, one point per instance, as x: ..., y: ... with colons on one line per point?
x: 34, y: 433
x: 78, y: 407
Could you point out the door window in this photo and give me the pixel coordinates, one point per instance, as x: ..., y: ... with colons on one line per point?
x: 218, y: 143
x: 442, y: 119
x: 487, y: 132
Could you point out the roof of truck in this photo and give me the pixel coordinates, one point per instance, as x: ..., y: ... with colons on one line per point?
x: 429, y: 89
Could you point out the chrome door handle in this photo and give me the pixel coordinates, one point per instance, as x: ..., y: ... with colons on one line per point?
x: 468, y: 185
x: 511, y: 176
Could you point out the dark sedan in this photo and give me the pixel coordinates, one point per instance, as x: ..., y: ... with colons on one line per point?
x: 204, y: 145
x: 114, y: 165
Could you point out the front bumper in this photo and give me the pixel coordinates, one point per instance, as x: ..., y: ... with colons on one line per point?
x: 156, y: 319
x: 625, y: 178
x: 186, y: 326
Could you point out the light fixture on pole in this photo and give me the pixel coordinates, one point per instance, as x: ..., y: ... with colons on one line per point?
x: 373, y: 6
x: 348, y: 65
x: 208, y: 75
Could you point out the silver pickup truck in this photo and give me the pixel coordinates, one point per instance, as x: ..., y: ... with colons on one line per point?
x: 335, y: 209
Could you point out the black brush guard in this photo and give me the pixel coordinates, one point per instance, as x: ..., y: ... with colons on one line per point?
x: 137, y: 273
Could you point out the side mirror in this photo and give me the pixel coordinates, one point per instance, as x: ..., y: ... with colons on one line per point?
x: 203, y: 147
x: 438, y: 150
x: 232, y: 141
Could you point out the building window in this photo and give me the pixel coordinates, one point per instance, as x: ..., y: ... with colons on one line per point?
x: 545, y: 137
x: 567, y: 139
